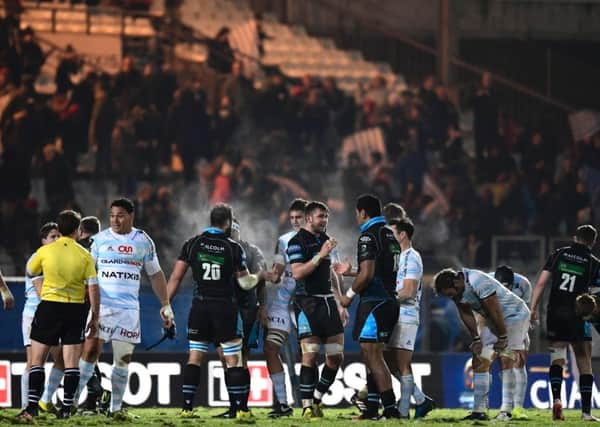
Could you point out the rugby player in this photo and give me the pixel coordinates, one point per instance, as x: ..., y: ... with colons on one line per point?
x: 277, y: 318
x: 216, y: 261
x: 393, y: 210
x: 90, y: 225
x: 572, y: 270
x: 505, y: 314
x: 33, y: 285
x: 408, y: 294
x: 318, y: 317
x: 120, y: 253
x: 61, y: 314
x: 248, y: 304
x: 378, y: 310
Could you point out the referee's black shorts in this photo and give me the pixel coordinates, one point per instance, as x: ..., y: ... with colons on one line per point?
x: 59, y: 323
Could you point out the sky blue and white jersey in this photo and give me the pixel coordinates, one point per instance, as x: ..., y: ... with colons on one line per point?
x: 281, y: 293
x: 120, y: 259
x: 521, y: 287
x: 479, y: 286
x: 410, y: 266
x: 31, y: 297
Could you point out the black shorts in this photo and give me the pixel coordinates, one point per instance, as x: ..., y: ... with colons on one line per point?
x: 251, y: 326
x: 563, y: 325
x: 317, y: 317
x: 214, y: 321
x: 59, y: 323
x: 375, y: 321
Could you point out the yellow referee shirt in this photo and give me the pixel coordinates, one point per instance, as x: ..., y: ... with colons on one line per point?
x: 67, y: 268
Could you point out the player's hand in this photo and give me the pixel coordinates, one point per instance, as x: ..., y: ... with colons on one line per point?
x: 91, y: 329
x: 345, y: 301
x: 344, y: 316
x: 534, y: 317
x: 167, y: 315
x: 327, y: 247
x: 476, y: 346
x: 8, y: 299
x: 342, y: 268
x: 501, y: 344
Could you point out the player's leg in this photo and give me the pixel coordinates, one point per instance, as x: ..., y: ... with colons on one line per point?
x: 39, y: 354
x: 26, y: 328
x: 334, y: 356
x: 379, y: 373
x: 481, y: 383
x: 122, y: 352
x: 199, y: 336
x: 54, y: 379
x: 310, y: 346
x: 520, y: 374
x: 583, y: 355
x: 558, y: 359
x: 92, y: 348
x: 274, y: 340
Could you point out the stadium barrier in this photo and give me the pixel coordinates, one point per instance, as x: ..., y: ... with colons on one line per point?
x: 155, y: 380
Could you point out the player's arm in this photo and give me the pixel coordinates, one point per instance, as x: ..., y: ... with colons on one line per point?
x: 7, y: 297
x: 301, y: 270
x: 492, y: 308
x: 37, y: 285
x: 538, y: 291
x: 410, y: 283
x: 468, y: 319
x: 279, y: 261
x: 93, y: 291
x: 177, y: 275
x: 408, y: 291
x: 361, y: 281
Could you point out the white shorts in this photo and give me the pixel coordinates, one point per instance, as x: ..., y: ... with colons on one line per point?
x: 279, y: 317
x: 403, y: 336
x: 26, y: 328
x: 119, y: 324
x: 517, y: 334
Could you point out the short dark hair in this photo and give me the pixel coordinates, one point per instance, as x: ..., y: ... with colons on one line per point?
x: 586, y: 234
x: 444, y: 280
x: 313, y: 206
x: 298, y: 205
x: 90, y: 224
x: 403, y: 224
x: 393, y: 210
x: 370, y: 204
x: 505, y: 274
x: 68, y: 222
x: 123, y: 203
x: 585, y: 304
x: 220, y: 214
x: 47, y: 228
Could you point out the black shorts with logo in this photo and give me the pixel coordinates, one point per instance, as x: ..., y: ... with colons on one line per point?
x: 375, y: 321
x: 317, y: 316
x: 214, y: 320
x: 563, y: 325
x: 59, y: 323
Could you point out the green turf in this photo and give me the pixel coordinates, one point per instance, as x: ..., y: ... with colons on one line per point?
x: 338, y: 417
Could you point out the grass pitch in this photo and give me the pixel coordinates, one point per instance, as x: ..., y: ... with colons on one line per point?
x: 169, y: 417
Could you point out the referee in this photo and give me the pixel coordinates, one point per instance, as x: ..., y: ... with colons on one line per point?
x: 60, y: 317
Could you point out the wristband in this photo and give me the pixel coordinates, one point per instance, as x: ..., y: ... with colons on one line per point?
x: 350, y: 293
x: 476, y: 338
x: 316, y: 259
x: 502, y: 337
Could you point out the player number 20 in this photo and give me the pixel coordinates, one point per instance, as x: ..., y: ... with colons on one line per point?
x: 567, y: 280
x: 211, y: 271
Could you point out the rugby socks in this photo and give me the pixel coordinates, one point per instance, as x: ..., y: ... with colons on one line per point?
x: 556, y: 374
x: 372, y: 395
x: 24, y: 389
x: 481, y: 388
x: 418, y: 395
x: 407, y: 384
x: 508, y: 390
x: 388, y: 400
x: 191, y: 380
x: 54, y: 379
x: 118, y: 380
x: 36, y: 386
x: 278, y: 380
x: 520, y: 386
x: 235, y: 379
x: 586, y: 383
x: 247, y: 388
x: 71, y: 382
x: 94, y: 385
x: 86, y: 370
x: 308, y: 378
x: 327, y: 378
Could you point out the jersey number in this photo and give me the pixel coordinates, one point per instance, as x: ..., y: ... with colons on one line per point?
x: 211, y: 271
x: 567, y: 280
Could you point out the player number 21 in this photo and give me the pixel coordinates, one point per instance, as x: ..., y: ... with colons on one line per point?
x: 567, y: 280
x: 211, y: 271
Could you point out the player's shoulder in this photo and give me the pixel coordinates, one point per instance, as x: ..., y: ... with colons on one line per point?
x: 142, y: 237
x: 103, y: 236
x: 285, y: 237
x: 522, y: 279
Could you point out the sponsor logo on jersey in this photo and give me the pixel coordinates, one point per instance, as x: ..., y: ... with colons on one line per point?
x: 121, y: 275
x: 120, y: 262
x: 125, y: 249
x: 213, y: 248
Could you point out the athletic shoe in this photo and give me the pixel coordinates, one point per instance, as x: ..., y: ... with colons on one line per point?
x: 366, y: 416
x: 477, y: 416
x: 392, y: 413
x: 519, y: 413
x: 187, y: 413
x: 47, y: 407
x: 307, y: 413
x: 589, y: 417
x: 281, y: 410
x: 317, y: 410
x: 64, y: 414
x: 24, y: 417
x: 227, y: 415
x: 121, y: 415
x: 424, y: 408
x: 503, y: 416
x: 557, y: 414
x: 359, y: 401
x: 244, y: 417
x: 104, y: 404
